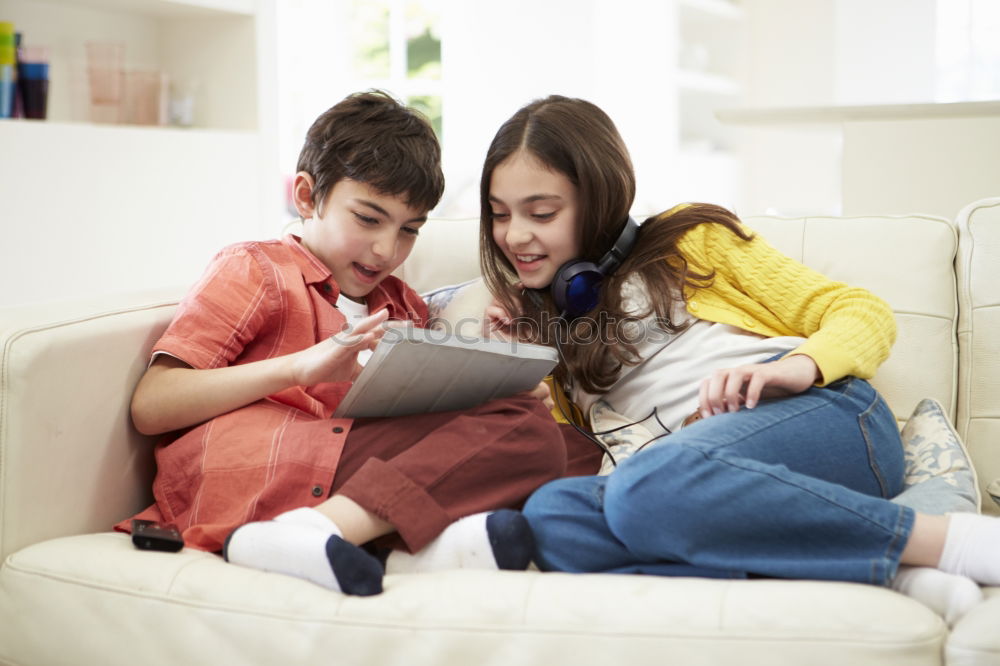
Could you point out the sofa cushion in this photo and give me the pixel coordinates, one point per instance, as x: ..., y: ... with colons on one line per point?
x: 994, y: 490
x: 447, y: 252
x: 974, y: 640
x: 192, y: 608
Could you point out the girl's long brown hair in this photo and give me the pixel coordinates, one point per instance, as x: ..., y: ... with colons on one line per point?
x: 578, y: 140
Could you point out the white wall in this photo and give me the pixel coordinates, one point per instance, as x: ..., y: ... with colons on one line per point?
x: 934, y: 166
x: 884, y: 51
x: 500, y: 56
x: 68, y: 232
x: 818, y: 54
x: 161, y: 224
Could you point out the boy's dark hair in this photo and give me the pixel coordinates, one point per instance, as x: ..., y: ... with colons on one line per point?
x: 373, y: 139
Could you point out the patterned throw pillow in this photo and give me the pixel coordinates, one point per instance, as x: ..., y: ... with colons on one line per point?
x: 459, y: 308
x: 940, y: 477
x: 619, y: 434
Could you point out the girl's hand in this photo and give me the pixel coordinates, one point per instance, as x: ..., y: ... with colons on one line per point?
x: 729, y: 388
x: 498, y: 323
x: 543, y: 393
x: 336, y: 358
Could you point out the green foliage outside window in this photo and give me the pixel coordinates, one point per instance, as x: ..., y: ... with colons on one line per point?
x: 374, y: 55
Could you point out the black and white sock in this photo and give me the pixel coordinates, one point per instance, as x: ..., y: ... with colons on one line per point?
x: 491, y: 540
x: 306, y: 544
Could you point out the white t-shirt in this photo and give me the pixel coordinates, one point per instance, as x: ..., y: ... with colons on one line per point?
x: 673, y: 365
x: 354, y: 312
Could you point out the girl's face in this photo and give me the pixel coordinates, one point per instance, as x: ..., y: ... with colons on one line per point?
x: 534, y: 212
x: 360, y: 234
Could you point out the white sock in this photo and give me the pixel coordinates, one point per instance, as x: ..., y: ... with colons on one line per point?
x: 491, y: 540
x: 306, y: 544
x: 949, y: 595
x: 972, y: 547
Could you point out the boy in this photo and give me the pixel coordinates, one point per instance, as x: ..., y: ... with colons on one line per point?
x: 260, y: 353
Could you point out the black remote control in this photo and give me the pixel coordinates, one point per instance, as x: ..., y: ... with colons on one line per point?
x: 151, y: 535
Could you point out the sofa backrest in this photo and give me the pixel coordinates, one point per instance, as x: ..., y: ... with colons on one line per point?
x: 446, y: 252
x: 978, y: 418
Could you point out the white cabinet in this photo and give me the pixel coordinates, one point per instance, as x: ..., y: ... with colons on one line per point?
x: 114, y: 207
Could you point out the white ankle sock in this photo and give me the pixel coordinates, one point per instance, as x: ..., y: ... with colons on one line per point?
x: 949, y: 595
x: 972, y: 547
x: 491, y: 540
x: 306, y: 544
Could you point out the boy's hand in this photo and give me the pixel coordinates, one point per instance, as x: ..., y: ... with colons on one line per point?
x: 729, y: 388
x: 336, y: 358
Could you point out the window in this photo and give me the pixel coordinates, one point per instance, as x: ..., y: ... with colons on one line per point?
x: 329, y: 49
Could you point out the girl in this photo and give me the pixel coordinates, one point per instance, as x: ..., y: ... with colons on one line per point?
x: 777, y: 457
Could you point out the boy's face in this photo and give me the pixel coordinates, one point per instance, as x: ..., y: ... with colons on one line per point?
x: 360, y: 234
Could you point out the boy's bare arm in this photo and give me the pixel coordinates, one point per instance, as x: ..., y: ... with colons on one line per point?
x: 173, y: 395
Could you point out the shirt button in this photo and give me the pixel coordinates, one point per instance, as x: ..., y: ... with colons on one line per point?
x: 317, y: 491
x: 693, y: 307
x: 748, y: 322
x: 327, y: 288
x: 338, y: 429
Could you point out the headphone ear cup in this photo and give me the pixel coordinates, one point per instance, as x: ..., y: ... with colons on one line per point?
x: 576, y: 288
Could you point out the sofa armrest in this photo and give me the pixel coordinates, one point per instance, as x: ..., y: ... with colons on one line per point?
x: 70, y: 460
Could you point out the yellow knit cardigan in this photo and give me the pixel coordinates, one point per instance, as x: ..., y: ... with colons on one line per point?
x: 848, y: 330
x: 757, y: 288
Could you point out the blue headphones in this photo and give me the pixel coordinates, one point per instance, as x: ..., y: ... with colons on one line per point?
x: 576, y: 286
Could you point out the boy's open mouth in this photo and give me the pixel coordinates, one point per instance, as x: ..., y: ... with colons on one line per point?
x: 365, y: 272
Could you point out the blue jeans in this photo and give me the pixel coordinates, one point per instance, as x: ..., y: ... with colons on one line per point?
x: 795, y: 488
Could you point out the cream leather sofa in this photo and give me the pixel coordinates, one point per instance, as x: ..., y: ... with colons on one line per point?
x: 74, y: 593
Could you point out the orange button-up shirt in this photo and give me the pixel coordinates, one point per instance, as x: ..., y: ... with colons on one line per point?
x: 258, y: 300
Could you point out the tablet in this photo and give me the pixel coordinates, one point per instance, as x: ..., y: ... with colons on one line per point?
x: 418, y: 370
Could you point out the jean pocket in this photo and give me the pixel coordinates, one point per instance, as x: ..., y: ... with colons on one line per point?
x: 885, y: 448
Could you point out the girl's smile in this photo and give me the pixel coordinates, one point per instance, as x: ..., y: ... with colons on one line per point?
x: 534, y: 218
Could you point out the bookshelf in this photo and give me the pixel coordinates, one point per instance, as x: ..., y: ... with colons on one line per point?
x: 116, y: 207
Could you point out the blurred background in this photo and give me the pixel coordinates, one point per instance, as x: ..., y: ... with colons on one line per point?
x: 172, y: 127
